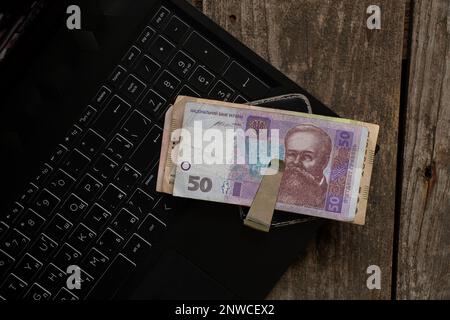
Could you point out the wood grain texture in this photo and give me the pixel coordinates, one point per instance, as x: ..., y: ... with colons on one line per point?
x: 407, y: 30
x: 326, y: 47
x: 424, y: 243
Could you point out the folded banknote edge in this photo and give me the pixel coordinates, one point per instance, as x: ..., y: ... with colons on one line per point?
x: 163, y: 154
x: 363, y: 195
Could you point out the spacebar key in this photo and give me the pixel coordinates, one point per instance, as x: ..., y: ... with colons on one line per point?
x: 114, y: 277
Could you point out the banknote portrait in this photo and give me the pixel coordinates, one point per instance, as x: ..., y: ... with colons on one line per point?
x: 307, y: 153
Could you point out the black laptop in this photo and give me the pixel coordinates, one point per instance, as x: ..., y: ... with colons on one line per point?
x: 81, y: 120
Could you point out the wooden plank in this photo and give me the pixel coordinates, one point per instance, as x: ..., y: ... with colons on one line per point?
x: 326, y: 47
x: 407, y: 32
x: 424, y: 235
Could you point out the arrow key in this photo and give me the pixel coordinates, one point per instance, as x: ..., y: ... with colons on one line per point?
x: 202, y: 79
x: 167, y: 83
x: 165, y: 206
x: 153, y: 103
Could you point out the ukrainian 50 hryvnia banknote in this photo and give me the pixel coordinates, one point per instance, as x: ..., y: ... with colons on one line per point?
x: 218, y: 151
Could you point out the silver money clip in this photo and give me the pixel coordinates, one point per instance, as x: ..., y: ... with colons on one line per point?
x: 260, y: 215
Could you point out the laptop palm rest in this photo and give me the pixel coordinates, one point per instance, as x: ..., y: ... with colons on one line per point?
x: 244, y: 261
x: 176, y: 278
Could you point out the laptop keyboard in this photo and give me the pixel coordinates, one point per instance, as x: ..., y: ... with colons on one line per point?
x: 93, y: 204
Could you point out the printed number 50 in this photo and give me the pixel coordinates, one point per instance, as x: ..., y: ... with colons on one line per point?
x: 195, y: 183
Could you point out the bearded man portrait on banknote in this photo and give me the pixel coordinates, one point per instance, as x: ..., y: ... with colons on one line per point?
x: 308, y: 150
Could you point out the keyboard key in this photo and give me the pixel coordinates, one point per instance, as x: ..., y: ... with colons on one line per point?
x: 118, y: 148
x: 187, y: 91
x: 13, y: 212
x: 148, y: 151
x: 117, y: 76
x: 111, y: 197
x: 95, y: 263
x: 6, y: 261
x: 28, y: 267
x: 53, y: 278
x: 73, y: 208
x: 43, y: 248
x: 125, y: 222
x: 29, y: 193
x: 43, y: 174
x: 96, y: 218
x: 75, y: 163
x: 81, y: 237
x: 86, y: 283
x: 58, y: 227
x: 88, y: 188
x: 131, y: 56
x: 152, y: 229
x: 13, y: 243
x: 167, y: 83
x: 66, y: 256
x: 127, y: 177
x: 204, y: 50
x: 3, y: 228
x: 221, y: 92
x: 110, y: 282
x: 240, y: 99
x: 30, y: 223
x: 160, y: 18
x: 101, y: 97
x: 37, y: 293
x: 150, y: 183
x: 153, y: 103
x: 60, y: 183
x: 104, y: 168
x: 161, y: 49
x: 72, y: 135
x: 58, y: 154
x: 12, y: 288
x: 137, y: 249
x: 140, y: 203
x: 65, y: 295
x: 181, y: 64
x: 133, y: 88
x: 245, y: 82
x: 91, y: 143
x: 176, y: 29
x: 109, y: 242
x: 147, y: 68
x: 111, y: 116
x: 202, y: 79
x: 155, y: 135
x: 145, y: 38
x: 136, y: 127
x: 87, y: 116
x: 166, y: 206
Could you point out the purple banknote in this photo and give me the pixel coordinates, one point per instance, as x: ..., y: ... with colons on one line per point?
x: 223, y: 152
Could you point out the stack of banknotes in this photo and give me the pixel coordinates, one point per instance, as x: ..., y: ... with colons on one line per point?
x: 219, y: 151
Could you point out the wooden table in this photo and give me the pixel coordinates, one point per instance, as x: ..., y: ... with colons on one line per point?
x: 397, y: 77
